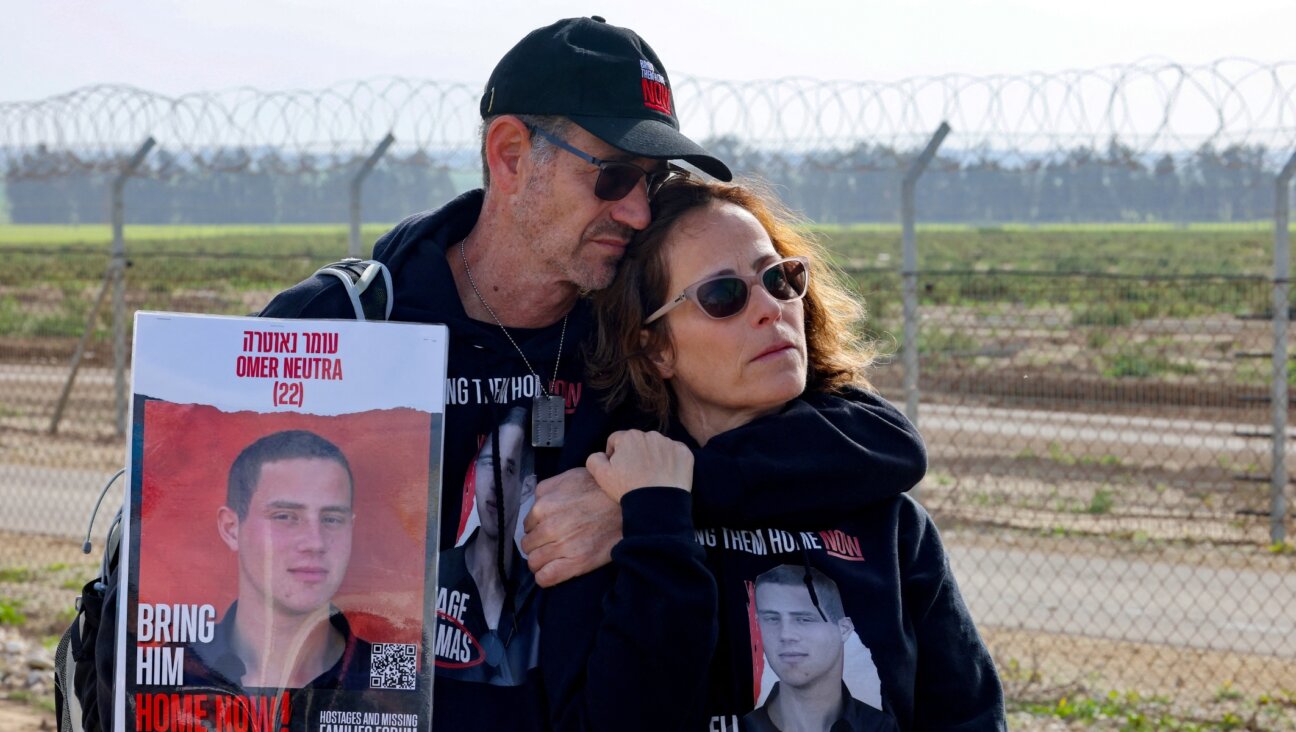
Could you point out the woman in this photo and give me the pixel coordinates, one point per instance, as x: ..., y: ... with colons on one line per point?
x: 722, y: 322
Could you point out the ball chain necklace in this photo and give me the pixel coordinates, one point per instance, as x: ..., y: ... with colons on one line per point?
x: 548, y: 411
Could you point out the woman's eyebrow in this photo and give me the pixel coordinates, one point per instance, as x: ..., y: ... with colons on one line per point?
x: 721, y: 273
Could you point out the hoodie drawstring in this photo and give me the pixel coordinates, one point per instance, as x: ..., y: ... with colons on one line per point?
x: 809, y: 583
x: 503, y: 544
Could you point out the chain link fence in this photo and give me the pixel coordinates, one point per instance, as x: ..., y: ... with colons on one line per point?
x: 1096, y: 397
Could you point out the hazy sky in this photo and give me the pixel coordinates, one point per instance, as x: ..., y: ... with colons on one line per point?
x: 176, y: 46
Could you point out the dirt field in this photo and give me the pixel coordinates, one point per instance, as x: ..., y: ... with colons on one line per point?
x: 1038, y: 665
x: 20, y: 716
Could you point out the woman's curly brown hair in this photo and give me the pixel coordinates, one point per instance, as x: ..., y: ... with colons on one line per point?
x: 620, y: 363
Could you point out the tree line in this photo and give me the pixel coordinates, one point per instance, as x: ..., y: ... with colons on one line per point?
x: 860, y: 185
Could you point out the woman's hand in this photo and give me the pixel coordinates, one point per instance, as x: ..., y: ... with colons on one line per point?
x: 636, y: 459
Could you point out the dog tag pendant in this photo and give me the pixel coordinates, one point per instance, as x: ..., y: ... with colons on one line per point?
x: 547, y: 421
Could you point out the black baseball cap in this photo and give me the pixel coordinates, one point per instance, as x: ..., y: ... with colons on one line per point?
x: 605, y: 79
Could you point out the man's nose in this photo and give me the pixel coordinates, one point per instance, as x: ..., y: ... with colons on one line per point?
x: 311, y: 537
x: 634, y: 210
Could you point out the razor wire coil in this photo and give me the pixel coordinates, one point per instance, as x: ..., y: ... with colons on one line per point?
x: 1148, y: 109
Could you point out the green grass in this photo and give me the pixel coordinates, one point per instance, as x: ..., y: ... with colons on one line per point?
x: 101, y: 234
x: 1140, y: 362
x: 1113, y: 248
x: 1282, y: 547
x: 16, y: 574
x: 934, y: 341
x: 1100, y: 503
x: 11, y: 612
x: 1124, y: 712
x: 1103, y: 314
x: 1232, y: 226
x: 1228, y: 249
x: 1130, y: 711
x: 44, y: 702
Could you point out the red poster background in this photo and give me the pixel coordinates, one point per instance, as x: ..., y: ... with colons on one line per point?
x: 187, y: 453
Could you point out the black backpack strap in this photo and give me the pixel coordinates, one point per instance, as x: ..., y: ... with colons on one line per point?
x: 99, y: 640
x: 83, y: 661
x: 80, y: 698
x: 368, y: 284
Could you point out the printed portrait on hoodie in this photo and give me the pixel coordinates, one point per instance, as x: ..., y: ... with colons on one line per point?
x: 808, y: 661
x: 486, y: 604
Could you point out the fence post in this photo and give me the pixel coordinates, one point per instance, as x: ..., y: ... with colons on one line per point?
x: 909, y: 271
x: 353, y: 248
x: 1278, y: 398
x: 117, y: 272
x: 79, y: 354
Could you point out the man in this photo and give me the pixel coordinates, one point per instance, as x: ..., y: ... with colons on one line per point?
x: 578, y: 124
x: 288, y: 516
x: 804, y: 636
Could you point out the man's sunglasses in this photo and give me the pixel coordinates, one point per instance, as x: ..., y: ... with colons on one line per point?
x: 724, y: 296
x: 616, y: 178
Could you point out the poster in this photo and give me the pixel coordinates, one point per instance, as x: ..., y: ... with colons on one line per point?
x: 281, y: 526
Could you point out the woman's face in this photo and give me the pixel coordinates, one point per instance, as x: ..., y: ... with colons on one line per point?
x: 725, y: 373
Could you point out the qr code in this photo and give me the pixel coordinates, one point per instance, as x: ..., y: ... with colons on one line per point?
x: 394, y: 666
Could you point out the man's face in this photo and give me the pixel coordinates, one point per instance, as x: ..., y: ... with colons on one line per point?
x: 295, y: 542
x: 512, y: 438
x: 800, y: 646
x: 575, y: 236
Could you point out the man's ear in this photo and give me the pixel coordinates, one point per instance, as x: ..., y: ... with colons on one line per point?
x: 508, y: 153
x: 227, y: 525
x: 847, y: 626
x: 662, y: 359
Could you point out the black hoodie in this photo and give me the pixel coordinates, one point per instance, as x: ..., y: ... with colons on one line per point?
x: 866, y: 439
x: 885, y: 624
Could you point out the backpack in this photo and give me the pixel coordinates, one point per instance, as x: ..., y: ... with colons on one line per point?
x: 86, y: 654
x: 358, y: 277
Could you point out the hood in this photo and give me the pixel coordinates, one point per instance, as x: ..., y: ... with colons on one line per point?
x: 415, y: 252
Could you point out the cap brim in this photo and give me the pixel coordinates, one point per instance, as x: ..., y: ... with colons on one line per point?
x: 653, y: 139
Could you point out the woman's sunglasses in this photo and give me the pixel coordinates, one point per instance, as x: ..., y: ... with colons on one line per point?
x: 616, y: 178
x: 724, y: 296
